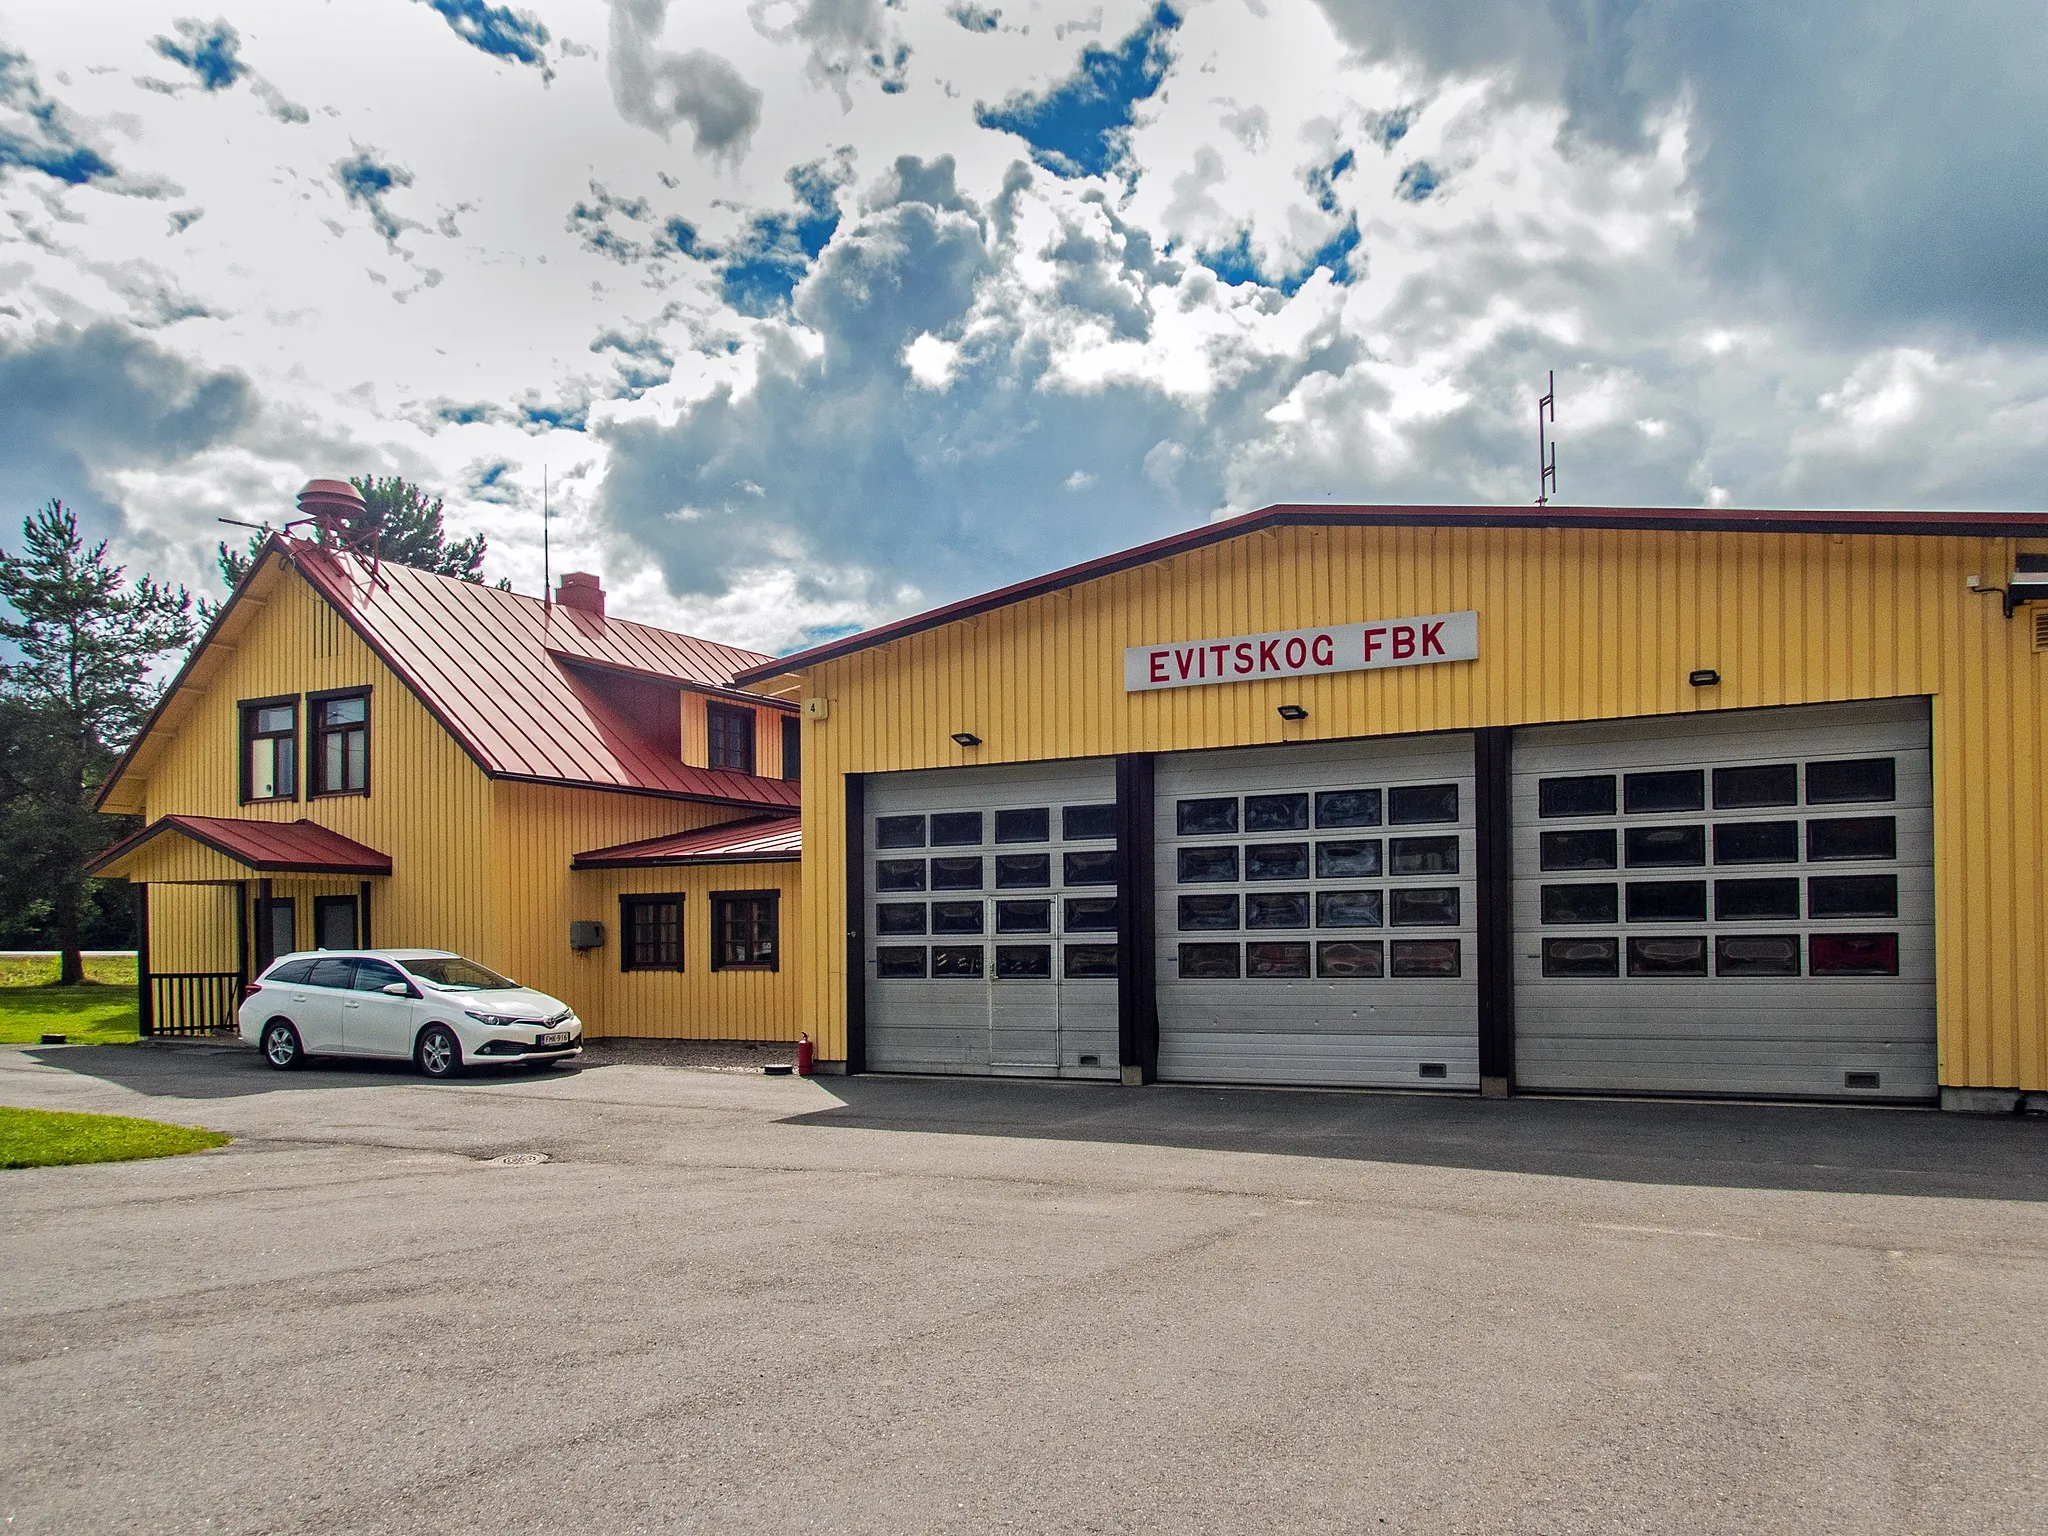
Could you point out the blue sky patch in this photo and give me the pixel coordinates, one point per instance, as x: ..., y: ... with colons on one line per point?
x: 767, y: 262
x: 1082, y: 126
x: 364, y: 181
x: 1389, y: 128
x: 53, y: 150
x: 1234, y: 263
x: 1418, y: 180
x: 497, y: 30
x: 1322, y: 181
x: 975, y: 18
x: 210, y: 52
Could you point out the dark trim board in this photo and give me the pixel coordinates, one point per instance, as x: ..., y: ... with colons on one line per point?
x: 856, y: 925
x: 1492, y: 770
x: 1137, y: 997
x: 145, y: 1011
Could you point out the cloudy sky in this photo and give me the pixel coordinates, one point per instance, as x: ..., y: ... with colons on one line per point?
x: 814, y: 312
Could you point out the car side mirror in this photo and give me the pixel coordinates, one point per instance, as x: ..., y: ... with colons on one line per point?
x: 399, y: 989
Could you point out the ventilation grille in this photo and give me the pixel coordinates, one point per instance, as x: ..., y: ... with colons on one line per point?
x: 2040, y: 617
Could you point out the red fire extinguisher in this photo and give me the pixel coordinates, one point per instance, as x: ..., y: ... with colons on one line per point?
x: 803, y: 1055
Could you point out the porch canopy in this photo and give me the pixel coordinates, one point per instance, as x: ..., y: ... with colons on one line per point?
x: 214, y: 848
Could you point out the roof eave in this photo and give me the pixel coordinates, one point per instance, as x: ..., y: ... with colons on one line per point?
x: 670, y: 861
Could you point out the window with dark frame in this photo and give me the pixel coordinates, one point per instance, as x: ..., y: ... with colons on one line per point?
x: 651, y: 932
x: 270, y: 735
x: 730, y: 732
x: 340, y: 745
x: 744, y: 930
x: 793, y: 750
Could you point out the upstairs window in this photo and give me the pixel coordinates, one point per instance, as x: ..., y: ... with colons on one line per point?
x: 743, y: 930
x: 731, y: 733
x: 792, y: 750
x: 270, y: 738
x: 341, y: 744
x: 651, y: 932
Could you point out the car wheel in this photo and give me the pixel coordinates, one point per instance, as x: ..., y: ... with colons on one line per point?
x: 281, y: 1046
x: 439, y: 1053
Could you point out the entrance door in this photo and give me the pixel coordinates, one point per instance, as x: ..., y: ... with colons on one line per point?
x: 279, y: 920
x: 334, y: 922
x: 1317, y: 914
x: 992, y: 909
x: 1734, y: 903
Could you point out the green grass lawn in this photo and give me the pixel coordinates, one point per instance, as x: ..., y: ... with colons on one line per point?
x: 41, y: 1138
x: 101, y: 1012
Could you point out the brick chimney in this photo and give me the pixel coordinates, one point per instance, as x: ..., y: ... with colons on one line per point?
x: 581, y: 590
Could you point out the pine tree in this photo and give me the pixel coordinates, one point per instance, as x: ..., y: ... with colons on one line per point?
x: 404, y: 524
x: 75, y: 692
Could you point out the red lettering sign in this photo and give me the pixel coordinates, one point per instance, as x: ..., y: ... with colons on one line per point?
x: 1158, y: 664
x: 1324, y: 650
x: 1375, y: 636
x: 1404, y: 641
x: 1433, y: 638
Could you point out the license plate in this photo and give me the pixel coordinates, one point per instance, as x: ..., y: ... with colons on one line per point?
x: 555, y: 1037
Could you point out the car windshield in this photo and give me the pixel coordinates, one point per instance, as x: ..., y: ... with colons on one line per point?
x: 452, y: 974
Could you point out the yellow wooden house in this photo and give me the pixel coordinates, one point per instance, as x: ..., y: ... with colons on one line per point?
x: 360, y: 753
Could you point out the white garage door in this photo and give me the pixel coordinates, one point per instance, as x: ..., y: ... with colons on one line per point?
x: 1316, y: 914
x: 992, y: 912
x: 1730, y: 903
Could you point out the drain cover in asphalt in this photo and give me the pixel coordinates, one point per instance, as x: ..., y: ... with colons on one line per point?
x: 516, y: 1160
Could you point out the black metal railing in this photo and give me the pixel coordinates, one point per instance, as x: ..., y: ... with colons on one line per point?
x: 192, y: 1002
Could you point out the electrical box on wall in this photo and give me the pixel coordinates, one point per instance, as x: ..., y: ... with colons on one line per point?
x: 586, y: 935
x: 817, y: 709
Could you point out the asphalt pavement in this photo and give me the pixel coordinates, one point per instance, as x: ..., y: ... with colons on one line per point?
x: 638, y: 1297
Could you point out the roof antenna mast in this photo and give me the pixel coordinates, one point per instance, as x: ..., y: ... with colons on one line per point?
x: 547, y: 576
x: 1546, y: 450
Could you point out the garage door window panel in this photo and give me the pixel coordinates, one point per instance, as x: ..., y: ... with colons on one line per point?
x: 1276, y: 909
x: 900, y: 962
x: 956, y: 917
x: 1581, y: 903
x: 1091, y: 914
x: 1661, y: 793
x: 1276, y: 861
x: 1741, y: 789
x: 1208, y: 962
x: 1665, y: 847
x: 1200, y: 914
x: 1023, y: 917
x: 1853, y: 954
x: 1756, y: 954
x: 1096, y: 866
x: 1594, y: 849
x: 1206, y: 818
x: 1852, y: 837
x: 899, y: 874
x: 1347, y: 808
x: 1425, y: 958
x: 1270, y: 961
x: 1023, y: 871
x: 1423, y: 907
x: 1861, y: 780
x: 1206, y: 866
x: 1829, y: 896
x: 896, y: 918
x: 1415, y: 804
x: 1582, y: 957
x: 956, y: 829
x: 1090, y: 962
x: 1357, y: 859
x: 1023, y: 962
x: 1348, y: 909
x: 899, y: 831
x: 1085, y: 823
x: 956, y: 962
x: 1667, y: 901
x: 1351, y: 959
x: 1667, y: 956
x: 1589, y: 794
x: 1276, y: 813
x: 1745, y: 900
x: 955, y: 873
x: 1422, y: 856
x: 1756, y: 842
x: 1026, y: 826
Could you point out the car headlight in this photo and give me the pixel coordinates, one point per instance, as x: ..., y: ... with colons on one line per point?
x: 494, y: 1018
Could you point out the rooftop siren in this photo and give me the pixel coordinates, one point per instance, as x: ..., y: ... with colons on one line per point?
x: 334, y: 506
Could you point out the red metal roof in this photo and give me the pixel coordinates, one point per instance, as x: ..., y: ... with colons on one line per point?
x: 489, y: 664
x: 2025, y: 525
x: 272, y: 847
x: 766, y: 840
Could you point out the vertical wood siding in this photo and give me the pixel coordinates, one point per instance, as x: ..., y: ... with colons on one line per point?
x: 1575, y: 624
x: 191, y: 928
x: 540, y: 829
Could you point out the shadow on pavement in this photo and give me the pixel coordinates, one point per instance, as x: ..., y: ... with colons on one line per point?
x: 1850, y: 1150
x: 208, y: 1071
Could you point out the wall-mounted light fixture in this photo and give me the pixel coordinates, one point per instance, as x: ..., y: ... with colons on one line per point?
x: 1293, y: 712
x: 1705, y: 677
x: 967, y: 738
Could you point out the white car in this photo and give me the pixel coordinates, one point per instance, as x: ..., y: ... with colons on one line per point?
x: 440, y: 1010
